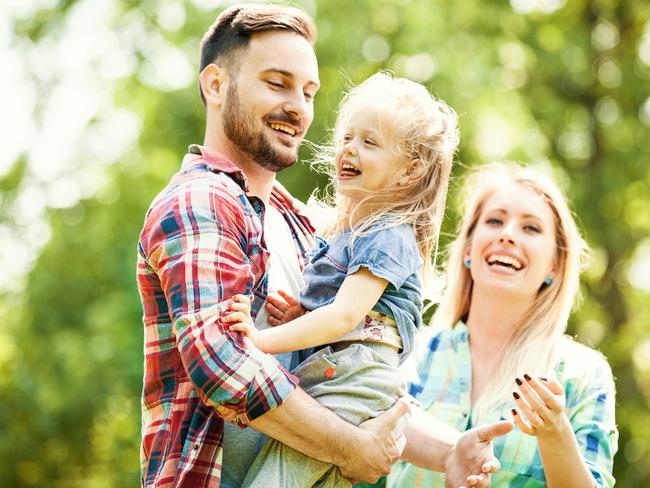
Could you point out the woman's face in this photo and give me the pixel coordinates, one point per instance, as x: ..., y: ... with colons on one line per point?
x: 513, y: 245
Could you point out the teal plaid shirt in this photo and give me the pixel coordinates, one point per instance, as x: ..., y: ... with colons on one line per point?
x: 443, y: 388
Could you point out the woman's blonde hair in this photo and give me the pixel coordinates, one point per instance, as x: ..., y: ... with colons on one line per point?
x: 425, y: 134
x: 534, y: 346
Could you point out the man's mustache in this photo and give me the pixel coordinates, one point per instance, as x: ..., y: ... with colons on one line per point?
x: 285, y: 118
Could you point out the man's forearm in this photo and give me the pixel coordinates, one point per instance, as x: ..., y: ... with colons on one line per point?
x: 305, y: 425
x: 428, y: 441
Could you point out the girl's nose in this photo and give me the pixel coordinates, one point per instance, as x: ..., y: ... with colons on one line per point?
x: 350, y: 148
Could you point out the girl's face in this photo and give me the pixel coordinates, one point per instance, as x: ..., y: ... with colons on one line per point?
x: 365, y: 160
x: 513, y: 244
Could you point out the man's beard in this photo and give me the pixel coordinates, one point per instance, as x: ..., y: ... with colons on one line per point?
x: 239, y: 128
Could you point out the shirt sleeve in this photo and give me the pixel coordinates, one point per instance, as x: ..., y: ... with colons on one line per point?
x: 390, y: 253
x: 198, y: 248
x: 591, y: 410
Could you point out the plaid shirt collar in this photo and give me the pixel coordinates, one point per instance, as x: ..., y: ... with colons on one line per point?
x: 280, y: 197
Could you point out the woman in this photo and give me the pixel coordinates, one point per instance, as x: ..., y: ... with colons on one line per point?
x: 499, y: 348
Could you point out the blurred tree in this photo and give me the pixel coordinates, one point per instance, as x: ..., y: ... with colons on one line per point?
x: 562, y: 85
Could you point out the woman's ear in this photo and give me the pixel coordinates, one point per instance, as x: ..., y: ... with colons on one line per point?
x: 214, y: 81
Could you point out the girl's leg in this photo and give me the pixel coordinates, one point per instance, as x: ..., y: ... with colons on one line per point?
x: 281, y: 466
x: 358, y: 383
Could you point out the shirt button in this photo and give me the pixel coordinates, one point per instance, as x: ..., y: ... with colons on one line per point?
x: 196, y: 447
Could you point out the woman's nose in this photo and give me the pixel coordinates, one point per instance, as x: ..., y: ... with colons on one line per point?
x: 507, y: 233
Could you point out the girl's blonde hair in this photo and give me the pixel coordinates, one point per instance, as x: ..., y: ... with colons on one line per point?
x: 425, y: 133
x: 535, y: 345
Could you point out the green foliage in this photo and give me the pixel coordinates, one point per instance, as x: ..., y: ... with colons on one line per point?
x: 562, y: 89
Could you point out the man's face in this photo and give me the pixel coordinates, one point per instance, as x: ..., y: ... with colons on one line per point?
x: 270, y: 100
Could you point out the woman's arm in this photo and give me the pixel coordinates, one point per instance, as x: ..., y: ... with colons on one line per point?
x: 544, y: 415
x: 359, y: 292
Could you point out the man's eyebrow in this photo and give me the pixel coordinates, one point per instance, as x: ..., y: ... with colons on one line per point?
x: 289, y: 74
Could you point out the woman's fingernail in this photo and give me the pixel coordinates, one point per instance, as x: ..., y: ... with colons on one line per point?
x: 526, y: 377
x: 514, y: 412
x: 543, y: 378
x: 516, y: 395
x: 518, y: 381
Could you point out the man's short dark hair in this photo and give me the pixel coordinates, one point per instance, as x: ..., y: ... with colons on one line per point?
x: 230, y: 34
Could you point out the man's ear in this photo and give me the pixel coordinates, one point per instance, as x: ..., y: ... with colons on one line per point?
x: 214, y: 84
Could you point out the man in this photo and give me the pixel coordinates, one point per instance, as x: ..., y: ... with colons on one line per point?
x: 203, y: 242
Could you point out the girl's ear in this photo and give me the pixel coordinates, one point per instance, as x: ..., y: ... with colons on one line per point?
x: 413, y: 169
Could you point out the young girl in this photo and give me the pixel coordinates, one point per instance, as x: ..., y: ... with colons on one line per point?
x: 499, y: 348
x: 392, y: 154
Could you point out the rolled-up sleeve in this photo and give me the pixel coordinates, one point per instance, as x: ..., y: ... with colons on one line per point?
x: 199, y: 246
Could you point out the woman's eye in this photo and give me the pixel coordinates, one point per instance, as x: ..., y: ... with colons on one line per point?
x: 347, y: 138
x: 493, y: 221
x: 532, y: 228
x: 275, y: 84
x: 370, y: 142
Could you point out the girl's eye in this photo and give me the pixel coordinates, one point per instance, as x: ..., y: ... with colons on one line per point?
x: 532, y: 228
x: 308, y: 96
x: 493, y: 221
x: 370, y: 142
x: 347, y: 138
x: 275, y: 84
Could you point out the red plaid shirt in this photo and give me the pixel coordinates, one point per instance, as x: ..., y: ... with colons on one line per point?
x: 201, y: 244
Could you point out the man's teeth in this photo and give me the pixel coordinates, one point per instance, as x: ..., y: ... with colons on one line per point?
x: 508, y: 260
x: 283, y: 128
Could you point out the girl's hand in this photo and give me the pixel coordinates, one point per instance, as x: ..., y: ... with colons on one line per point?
x: 283, y: 308
x: 541, y: 407
x: 239, y: 316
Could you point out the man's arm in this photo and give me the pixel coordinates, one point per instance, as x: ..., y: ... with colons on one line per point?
x: 362, y: 453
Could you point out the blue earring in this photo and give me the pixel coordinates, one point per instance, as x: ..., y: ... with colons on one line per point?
x: 548, y: 281
x: 468, y: 263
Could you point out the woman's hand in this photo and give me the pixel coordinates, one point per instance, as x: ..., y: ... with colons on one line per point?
x: 239, y: 316
x: 541, y: 407
x: 283, y: 308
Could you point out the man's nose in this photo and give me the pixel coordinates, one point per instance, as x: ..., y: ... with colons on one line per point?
x: 296, y: 106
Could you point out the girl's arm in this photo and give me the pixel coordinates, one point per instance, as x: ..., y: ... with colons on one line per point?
x: 543, y: 414
x: 359, y: 292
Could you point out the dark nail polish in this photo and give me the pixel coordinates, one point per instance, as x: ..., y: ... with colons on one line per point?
x: 516, y: 395
x: 543, y: 378
x: 518, y: 381
x: 514, y: 412
x: 526, y: 377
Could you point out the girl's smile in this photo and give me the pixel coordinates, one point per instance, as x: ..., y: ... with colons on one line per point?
x: 366, y: 161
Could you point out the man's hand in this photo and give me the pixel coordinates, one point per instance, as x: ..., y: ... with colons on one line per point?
x: 471, y: 461
x: 283, y: 308
x: 381, y: 448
